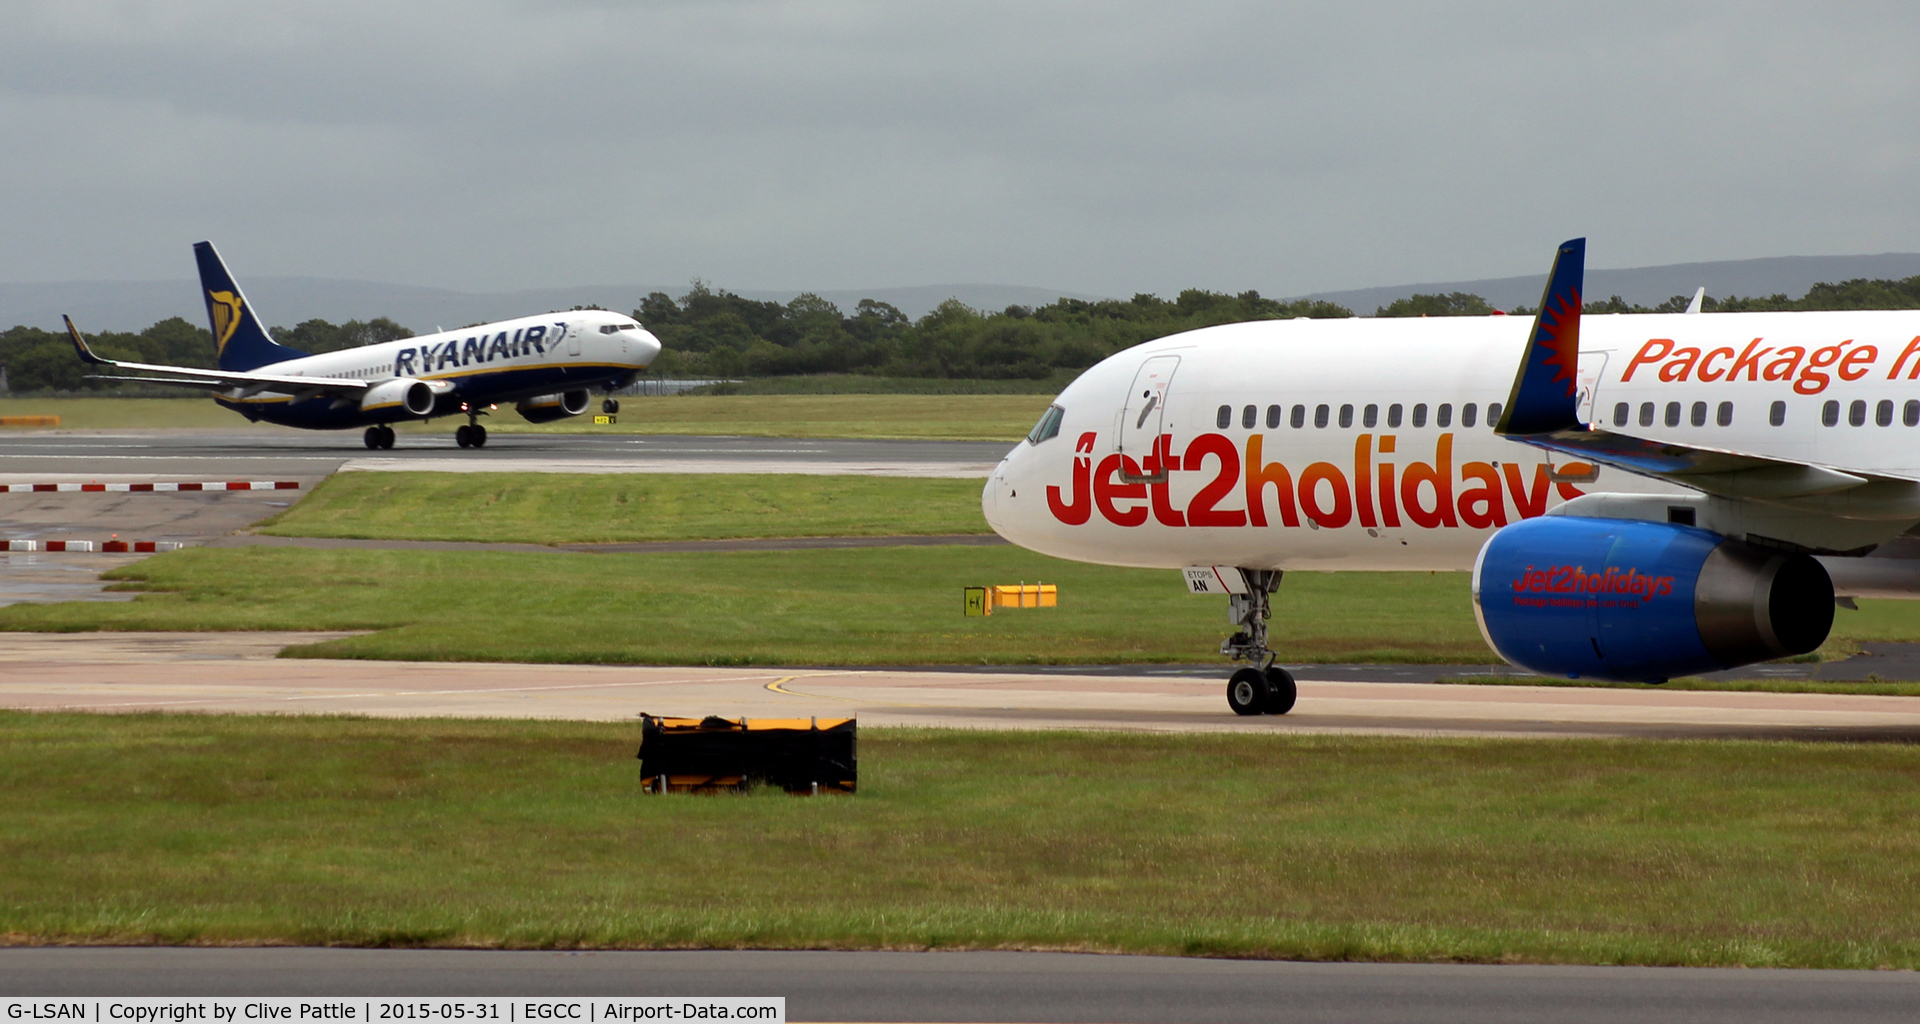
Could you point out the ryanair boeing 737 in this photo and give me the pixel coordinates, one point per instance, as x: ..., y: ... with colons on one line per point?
x: 545, y: 365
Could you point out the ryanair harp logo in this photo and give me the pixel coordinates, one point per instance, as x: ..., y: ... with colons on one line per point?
x: 226, y: 316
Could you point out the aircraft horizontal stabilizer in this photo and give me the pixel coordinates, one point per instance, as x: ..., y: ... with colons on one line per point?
x: 200, y: 377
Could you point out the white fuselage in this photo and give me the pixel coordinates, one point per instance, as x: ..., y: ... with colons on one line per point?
x: 485, y: 363
x: 1379, y: 432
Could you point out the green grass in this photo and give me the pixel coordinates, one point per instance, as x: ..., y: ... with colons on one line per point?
x: 941, y: 417
x: 862, y: 384
x: 954, y: 417
x: 121, y: 413
x: 338, y: 831
x: 859, y: 606
x: 555, y: 508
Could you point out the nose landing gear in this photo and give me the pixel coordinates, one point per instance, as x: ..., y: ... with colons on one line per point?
x: 1267, y: 689
x: 610, y: 406
x: 379, y: 437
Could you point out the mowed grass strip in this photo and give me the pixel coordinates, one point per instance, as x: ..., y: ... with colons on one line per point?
x: 558, y: 508
x: 922, y: 417
x: 339, y: 831
x: 122, y: 413
x: 874, y: 606
x: 949, y: 417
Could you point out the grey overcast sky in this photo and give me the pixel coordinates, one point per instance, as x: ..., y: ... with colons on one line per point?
x: 1106, y: 147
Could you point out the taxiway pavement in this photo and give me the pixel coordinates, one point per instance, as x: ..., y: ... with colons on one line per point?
x: 999, y: 986
x: 238, y: 672
x: 274, y: 454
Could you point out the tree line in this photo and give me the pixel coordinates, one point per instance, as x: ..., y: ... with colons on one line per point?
x: 715, y: 333
x: 44, y: 361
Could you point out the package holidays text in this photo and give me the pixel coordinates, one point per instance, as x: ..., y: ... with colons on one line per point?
x: 1382, y: 486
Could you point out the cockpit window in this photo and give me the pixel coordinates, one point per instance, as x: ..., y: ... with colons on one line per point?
x: 629, y: 327
x: 1048, y: 426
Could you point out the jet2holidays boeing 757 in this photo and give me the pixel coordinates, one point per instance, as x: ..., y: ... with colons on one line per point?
x: 545, y: 365
x: 1646, y: 496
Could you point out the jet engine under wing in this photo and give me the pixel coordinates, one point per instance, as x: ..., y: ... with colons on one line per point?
x: 219, y: 380
x: 1542, y: 411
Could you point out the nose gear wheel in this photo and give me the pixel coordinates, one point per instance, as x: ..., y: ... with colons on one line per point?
x: 1262, y: 688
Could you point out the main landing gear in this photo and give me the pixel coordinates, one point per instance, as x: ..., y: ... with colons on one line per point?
x: 1267, y: 689
x: 380, y: 437
x: 473, y: 435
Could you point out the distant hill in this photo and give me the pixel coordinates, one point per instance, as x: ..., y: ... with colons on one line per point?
x: 133, y: 305
x: 1649, y: 286
x: 285, y: 301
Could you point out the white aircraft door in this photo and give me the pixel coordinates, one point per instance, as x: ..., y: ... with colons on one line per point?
x: 1146, y: 407
x: 1592, y: 365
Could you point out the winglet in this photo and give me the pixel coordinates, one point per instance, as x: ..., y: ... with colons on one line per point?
x: 1545, y: 390
x: 80, y: 345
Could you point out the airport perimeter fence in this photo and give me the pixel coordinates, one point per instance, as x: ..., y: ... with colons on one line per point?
x: 648, y: 386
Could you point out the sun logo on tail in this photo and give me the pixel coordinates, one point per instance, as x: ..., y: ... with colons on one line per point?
x: 1560, y: 336
x: 226, y: 316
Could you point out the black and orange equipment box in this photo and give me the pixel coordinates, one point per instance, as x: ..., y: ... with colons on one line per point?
x: 712, y: 754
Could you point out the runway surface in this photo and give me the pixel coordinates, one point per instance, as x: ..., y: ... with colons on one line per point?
x: 996, y: 986
x: 237, y: 672
x: 261, y: 454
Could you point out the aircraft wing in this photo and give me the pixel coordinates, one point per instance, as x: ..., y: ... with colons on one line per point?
x: 1542, y: 411
x: 218, y: 380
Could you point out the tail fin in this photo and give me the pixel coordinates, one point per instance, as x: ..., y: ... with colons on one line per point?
x: 238, y: 336
x: 1545, y: 390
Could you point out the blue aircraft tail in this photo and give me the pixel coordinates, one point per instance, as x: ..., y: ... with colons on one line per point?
x: 238, y: 336
x: 1546, y: 389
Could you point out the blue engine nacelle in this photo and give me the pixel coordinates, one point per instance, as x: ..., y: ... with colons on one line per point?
x: 547, y: 408
x: 1641, y: 601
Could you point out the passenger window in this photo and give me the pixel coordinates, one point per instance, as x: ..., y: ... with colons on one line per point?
x: 1621, y: 413
x: 1250, y: 417
x: 1646, y: 414
x: 1346, y: 416
x: 1370, y: 416
x: 1420, y: 414
x: 1883, y: 413
x: 1299, y: 416
x: 1724, y: 416
x: 1857, y: 413
x: 1469, y: 413
x: 1320, y: 415
x: 1493, y: 414
x: 1273, y: 416
x: 1224, y: 418
x: 1443, y: 417
x: 1048, y: 426
x: 1830, y: 414
x: 1673, y: 414
x: 1911, y: 414
x: 1778, y: 414
x: 1393, y: 416
x: 1699, y: 414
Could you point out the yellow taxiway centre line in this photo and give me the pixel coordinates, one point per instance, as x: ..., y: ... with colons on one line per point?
x: 777, y: 688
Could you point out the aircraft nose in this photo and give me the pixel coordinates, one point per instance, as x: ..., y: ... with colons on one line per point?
x: 646, y: 348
